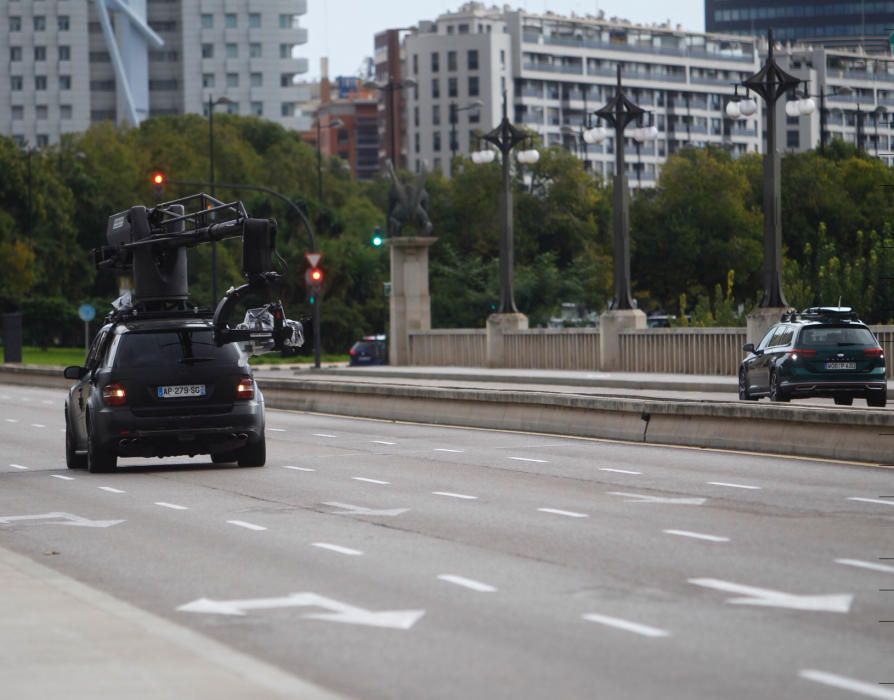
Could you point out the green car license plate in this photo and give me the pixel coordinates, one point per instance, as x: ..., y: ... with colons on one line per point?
x: 841, y: 365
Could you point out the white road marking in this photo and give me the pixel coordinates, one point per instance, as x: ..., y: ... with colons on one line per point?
x: 328, y: 435
x: 696, y: 535
x: 467, y: 583
x: 298, y: 469
x: 38, y: 425
x: 626, y: 625
x: 110, y: 489
x: 870, y: 690
x: 383, y: 442
x: 872, y: 500
x: 172, y: 506
x: 370, y: 481
x: 247, y: 526
x: 348, y: 509
x: 12, y: 420
x: 567, y: 513
x: 763, y: 597
x: 866, y: 565
x: 276, y: 430
x: 47, y: 402
x: 19, y: 466
x: 530, y: 459
x: 444, y: 449
x: 735, y: 486
x: 618, y: 471
x: 337, y: 548
x: 643, y: 498
x: 65, y: 519
x: 64, y: 478
x: 455, y: 495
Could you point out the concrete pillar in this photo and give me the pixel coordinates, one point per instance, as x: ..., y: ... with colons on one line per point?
x: 410, y: 300
x: 611, y: 323
x: 758, y: 322
x: 497, y: 325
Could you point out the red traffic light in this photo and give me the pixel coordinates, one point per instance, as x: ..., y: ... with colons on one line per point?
x: 158, y: 179
x: 316, y: 275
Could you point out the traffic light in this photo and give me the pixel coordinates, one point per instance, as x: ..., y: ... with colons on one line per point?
x: 158, y: 185
x: 377, y: 239
x: 313, y: 280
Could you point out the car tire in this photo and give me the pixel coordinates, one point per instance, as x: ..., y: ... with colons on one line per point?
x: 224, y: 457
x: 843, y: 400
x: 777, y: 395
x: 72, y: 459
x: 99, y: 460
x: 254, y: 454
x: 744, y: 395
x: 879, y: 401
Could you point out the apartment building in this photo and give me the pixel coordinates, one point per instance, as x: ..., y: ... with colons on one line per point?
x: 65, y: 64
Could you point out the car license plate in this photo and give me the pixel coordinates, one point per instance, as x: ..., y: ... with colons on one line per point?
x: 841, y: 365
x: 177, y: 391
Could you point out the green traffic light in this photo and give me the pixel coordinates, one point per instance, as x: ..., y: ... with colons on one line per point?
x: 376, y: 241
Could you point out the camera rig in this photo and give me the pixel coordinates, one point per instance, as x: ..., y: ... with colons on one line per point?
x: 148, y: 245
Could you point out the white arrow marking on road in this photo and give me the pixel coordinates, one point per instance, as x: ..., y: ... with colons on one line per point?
x: 840, y: 603
x: 642, y: 498
x: 871, y: 500
x: 866, y: 565
x: 338, y: 611
x: 697, y: 535
x: 620, y: 624
x: 348, y: 509
x: 870, y: 690
x: 60, y: 519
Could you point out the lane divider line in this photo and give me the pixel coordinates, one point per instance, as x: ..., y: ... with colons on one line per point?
x: 872, y: 566
x: 326, y: 435
x: 696, y: 535
x: 530, y: 459
x: 455, y: 495
x: 298, y: 469
x: 383, y: 442
x: 19, y: 466
x: 444, y: 449
x: 247, y: 526
x: 618, y: 471
x: 337, y: 548
x: 64, y: 478
x: 735, y: 486
x: 172, y: 506
x: 38, y: 425
x: 870, y: 690
x: 370, y: 481
x: 12, y: 420
x: 276, y: 430
x: 468, y: 583
x: 566, y: 513
x: 871, y: 500
x: 109, y: 489
x: 626, y: 625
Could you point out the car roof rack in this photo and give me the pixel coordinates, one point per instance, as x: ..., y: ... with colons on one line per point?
x: 158, y: 309
x: 821, y: 313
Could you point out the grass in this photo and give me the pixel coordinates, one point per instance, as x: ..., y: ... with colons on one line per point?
x: 64, y: 357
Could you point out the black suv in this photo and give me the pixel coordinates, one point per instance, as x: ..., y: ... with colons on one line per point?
x: 160, y: 387
x: 822, y: 351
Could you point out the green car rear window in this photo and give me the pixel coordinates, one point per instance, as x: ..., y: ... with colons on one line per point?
x: 825, y: 337
x: 174, y: 347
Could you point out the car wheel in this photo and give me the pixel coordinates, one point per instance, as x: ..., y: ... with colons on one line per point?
x: 224, y: 457
x: 843, y: 400
x: 254, y: 454
x: 878, y: 401
x: 72, y: 459
x: 776, y: 394
x: 99, y: 460
x: 743, y: 387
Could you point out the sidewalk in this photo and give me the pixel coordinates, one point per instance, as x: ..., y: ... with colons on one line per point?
x: 62, y: 639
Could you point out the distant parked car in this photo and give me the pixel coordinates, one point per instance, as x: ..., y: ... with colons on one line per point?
x: 371, y: 350
x: 821, y: 351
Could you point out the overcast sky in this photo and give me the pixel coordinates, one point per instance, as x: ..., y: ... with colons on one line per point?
x: 343, y: 29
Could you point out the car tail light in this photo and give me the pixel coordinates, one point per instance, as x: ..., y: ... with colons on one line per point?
x: 873, y: 352
x: 245, y: 389
x: 114, y: 395
x: 352, y: 352
x: 798, y: 353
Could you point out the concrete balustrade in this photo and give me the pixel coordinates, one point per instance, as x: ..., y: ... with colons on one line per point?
x: 449, y: 347
x: 683, y: 350
x: 552, y: 348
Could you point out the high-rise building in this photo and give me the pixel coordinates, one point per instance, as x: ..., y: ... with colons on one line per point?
x: 841, y: 23
x: 65, y: 65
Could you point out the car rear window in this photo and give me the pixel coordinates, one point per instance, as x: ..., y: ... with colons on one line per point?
x: 173, y: 347
x: 836, y: 336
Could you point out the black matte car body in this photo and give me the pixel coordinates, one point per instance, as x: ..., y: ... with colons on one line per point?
x: 162, y: 388
x: 371, y: 350
x: 821, y: 352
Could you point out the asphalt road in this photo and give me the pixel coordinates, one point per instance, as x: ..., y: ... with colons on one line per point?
x: 385, y: 560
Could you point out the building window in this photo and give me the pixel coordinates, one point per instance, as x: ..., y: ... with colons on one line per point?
x: 436, y: 115
x: 63, y: 23
x: 230, y: 20
x: 286, y: 79
x: 257, y: 79
x: 415, y: 64
x: 435, y: 89
x: 42, y: 111
x: 474, y: 116
x: 207, y: 50
x: 415, y: 116
x: 254, y: 21
x: 451, y: 60
x: 416, y: 145
x: 436, y: 142
x: 435, y: 62
x: 15, y: 24
x: 207, y: 80
x: 232, y: 51
x: 65, y: 111
x: 452, y: 88
x: 232, y: 80
x: 15, y: 53
x: 463, y: 29
x: 793, y: 139
x: 287, y: 109
x: 64, y: 53
x: 65, y: 82
x: 473, y: 86
x: 255, y: 50
x: 257, y: 109
x: 285, y: 50
x: 18, y: 113
x: 40, y: 82
x: 233, y: 108
x: 207, y: 21
x: 42, y: 140
x: 40, y: 53
x: 40, y: 23
x: 472, y: 59
x: 289, y: 22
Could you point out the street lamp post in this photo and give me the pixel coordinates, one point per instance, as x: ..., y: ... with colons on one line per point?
x: 454, y: 114
x: 771, y: 82
x: 211, y: 105
x: 506, y: 137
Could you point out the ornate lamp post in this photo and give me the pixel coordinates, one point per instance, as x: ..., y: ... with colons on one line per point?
x: 771, y: 82
x: 506, y: 137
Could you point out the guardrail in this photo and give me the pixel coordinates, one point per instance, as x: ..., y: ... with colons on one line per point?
x: 683, y: 350
x: 552, y: 348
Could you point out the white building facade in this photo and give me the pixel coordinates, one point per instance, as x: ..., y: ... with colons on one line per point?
x: 58, y: 72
